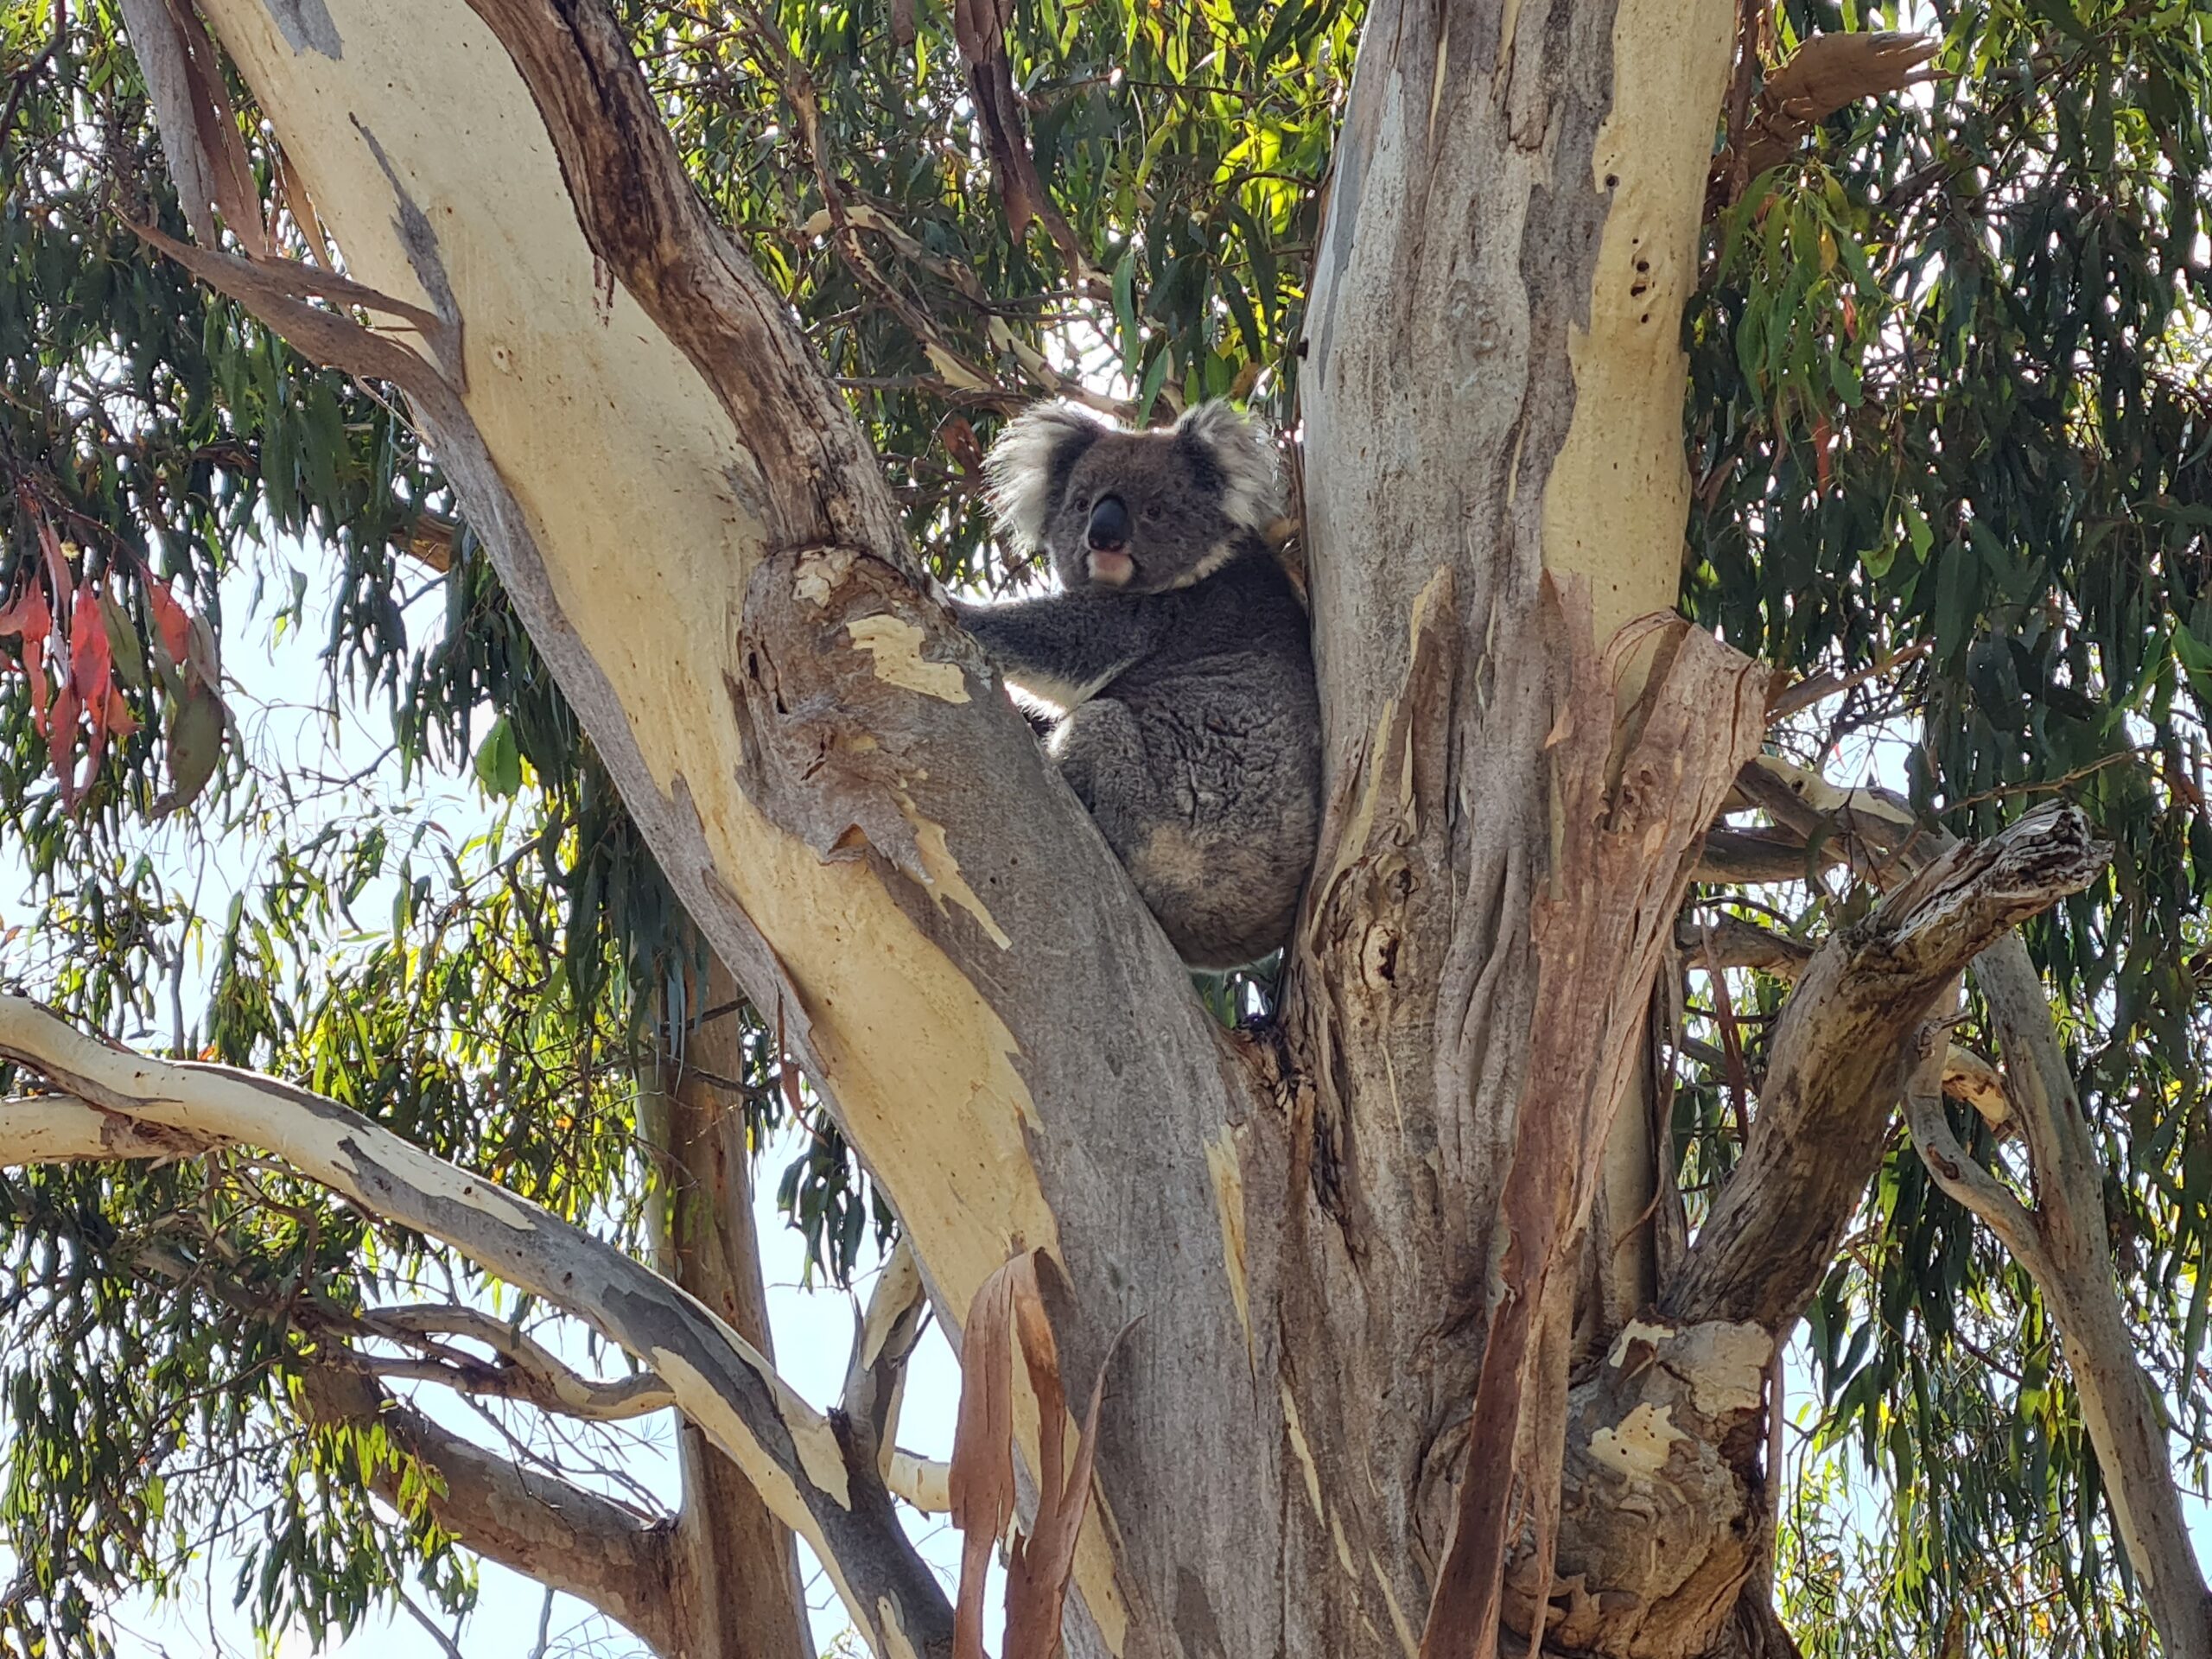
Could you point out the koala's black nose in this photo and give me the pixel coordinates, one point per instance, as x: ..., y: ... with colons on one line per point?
x: 1109, y: 525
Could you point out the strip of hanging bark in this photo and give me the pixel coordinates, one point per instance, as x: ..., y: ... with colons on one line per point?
x: 200, y: 130
x: 1009, y: 1308
x: 1822, y: 75
x: 1834, y: 1071
x: 277, y: 291
x: 820, y: 483
x: 1633, y: 798
x: 979, y: 29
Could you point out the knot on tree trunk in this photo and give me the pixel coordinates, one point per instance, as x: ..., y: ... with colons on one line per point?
x: 849, y: 681
x: 1660, y: 1495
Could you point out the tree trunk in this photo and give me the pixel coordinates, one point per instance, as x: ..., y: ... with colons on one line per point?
x: 1348, y: 1419
x: 736, y: 1593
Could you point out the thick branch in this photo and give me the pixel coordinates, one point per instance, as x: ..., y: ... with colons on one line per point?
x: 642, y: 215
x: 61, y: 1129
x: 562, y: 1536
x: 784, y: 1447
x: 938, y: 959
x: 1834, y: 1076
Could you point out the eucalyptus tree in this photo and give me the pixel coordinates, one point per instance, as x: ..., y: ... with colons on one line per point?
x: 1682, y: 401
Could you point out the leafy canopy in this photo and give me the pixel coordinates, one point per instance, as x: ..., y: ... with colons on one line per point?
x: 1947, y: 415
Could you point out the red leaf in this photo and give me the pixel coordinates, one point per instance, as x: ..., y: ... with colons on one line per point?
x: 171, y: 626
x: 92, y: 666
x: 35, y: 665
x: 26, y: 614
x: 61, y: 742
x: 57, y: 561
x: 116, y: 717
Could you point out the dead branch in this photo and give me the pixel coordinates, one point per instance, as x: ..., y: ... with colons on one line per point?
x: 1825, y: 74
x: 1835, y: 1073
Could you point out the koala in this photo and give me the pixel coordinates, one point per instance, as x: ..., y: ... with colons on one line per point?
x: 1177, y: 652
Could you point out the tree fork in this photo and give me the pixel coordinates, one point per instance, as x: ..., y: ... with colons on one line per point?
x: 1356, y: 1291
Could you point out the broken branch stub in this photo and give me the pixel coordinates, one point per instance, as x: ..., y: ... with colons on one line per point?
x: 1835, y: 1075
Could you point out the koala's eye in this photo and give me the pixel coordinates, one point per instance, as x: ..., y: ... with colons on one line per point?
x: 1152, y: 512
x: 1080, y: 501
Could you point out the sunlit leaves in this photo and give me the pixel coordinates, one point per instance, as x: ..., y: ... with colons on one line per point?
x: 1949, y: 371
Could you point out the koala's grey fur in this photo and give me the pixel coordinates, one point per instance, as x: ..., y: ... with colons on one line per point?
x: 1192, y: 726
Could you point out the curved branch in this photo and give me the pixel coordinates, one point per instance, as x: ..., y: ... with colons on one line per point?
x: 2125, y: 1425
x: 784, y: 1447
x: 1953, y: 1169
x: 525, y: 1370
x: 562, y: 1536
x: 2065, y: 1233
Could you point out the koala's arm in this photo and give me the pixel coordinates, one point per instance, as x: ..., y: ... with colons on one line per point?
x: 1067, y: 647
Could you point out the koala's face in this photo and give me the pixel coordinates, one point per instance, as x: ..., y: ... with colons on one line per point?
x: 1142, y: 512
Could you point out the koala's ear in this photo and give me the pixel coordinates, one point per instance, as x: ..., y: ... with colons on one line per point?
x: 1028, y: 465
x: 1240, y: 445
